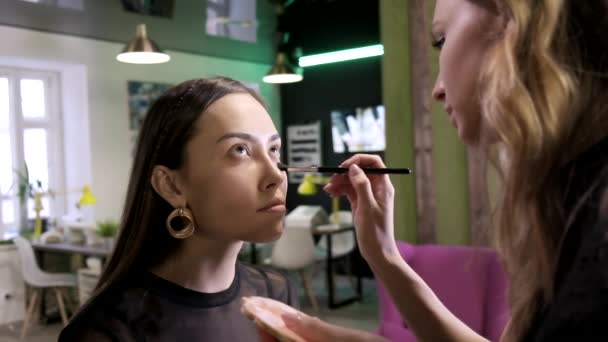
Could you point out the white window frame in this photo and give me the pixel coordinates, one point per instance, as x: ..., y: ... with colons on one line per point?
x: 52, y: 122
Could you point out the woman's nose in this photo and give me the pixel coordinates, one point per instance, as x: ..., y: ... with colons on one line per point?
x: 273, y: 175
x: 439, y: 91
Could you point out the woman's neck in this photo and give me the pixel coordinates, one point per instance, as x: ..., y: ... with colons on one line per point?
x: 201, y: 265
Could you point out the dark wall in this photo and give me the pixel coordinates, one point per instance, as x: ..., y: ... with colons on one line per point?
x: 325, y: 88
x: 344, y: 85
x: 318, y: 26
x: 184, y: 31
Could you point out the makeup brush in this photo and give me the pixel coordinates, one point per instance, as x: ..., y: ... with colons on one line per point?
x: 326, y: 169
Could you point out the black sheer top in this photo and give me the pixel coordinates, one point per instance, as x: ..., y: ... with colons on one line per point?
x: 150, y: 308
x: 579, y: 310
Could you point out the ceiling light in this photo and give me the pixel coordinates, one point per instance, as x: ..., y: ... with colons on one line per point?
x: 340, y: 56
x: 142, y: 50
x: 281, y: 72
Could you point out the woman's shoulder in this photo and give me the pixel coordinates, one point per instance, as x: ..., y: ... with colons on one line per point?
x: 268, y: 282
x: 93, y: 323
x: 95, y: 329
x: 103, y: 318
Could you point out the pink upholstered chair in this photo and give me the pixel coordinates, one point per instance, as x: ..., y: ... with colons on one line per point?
x: 468, y: 280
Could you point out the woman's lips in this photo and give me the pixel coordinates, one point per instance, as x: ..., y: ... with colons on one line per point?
x: 276, y: 206
x: 279, y: 208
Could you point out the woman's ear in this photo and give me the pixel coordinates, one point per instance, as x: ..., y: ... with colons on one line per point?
x: 164, y: 182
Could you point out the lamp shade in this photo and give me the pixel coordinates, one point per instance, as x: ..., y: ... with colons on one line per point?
x: 308, y: 186
x: 281, y: 72
x: 87, y: 197
x: 142, y: 50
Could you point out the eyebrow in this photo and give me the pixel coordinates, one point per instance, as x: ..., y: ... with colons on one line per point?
x: 245, y: 136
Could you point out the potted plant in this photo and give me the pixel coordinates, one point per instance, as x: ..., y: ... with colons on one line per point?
x: 27, y: 190
x: 107, y: 230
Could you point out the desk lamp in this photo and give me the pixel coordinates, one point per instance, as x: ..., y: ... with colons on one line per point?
x: 308, y: 187
x: 87, y: 198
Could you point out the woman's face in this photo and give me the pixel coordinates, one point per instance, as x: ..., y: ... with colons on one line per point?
x: 230, y: 178
x: 462, y: 31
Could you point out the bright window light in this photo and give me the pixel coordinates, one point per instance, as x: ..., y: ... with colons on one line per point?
x: 341, y: 56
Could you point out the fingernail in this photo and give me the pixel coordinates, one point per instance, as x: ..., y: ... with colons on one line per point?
x: 354, y: 170
x: 291, y: 319
x: 345, y: 163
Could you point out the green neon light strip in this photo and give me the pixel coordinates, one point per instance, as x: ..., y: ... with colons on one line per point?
x: 341, y: 56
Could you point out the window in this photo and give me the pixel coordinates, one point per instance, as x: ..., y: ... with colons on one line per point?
x: 70, y: 4
x: 30, y: 134
x: 234, y: 19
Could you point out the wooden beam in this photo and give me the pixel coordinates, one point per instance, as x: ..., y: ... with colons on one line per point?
x: 421, y: 110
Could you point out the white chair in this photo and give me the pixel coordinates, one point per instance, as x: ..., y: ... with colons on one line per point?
x: 295, y: 251
x: 341, y: 243
x: 39, y: 280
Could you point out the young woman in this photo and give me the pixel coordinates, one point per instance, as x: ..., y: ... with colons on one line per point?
x: 204, y: 179
x: 528, y: 79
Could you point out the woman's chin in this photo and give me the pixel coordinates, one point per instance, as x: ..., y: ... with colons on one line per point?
x: 270, y: 234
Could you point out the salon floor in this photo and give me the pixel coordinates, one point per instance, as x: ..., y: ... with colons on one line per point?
x: 362, y: 315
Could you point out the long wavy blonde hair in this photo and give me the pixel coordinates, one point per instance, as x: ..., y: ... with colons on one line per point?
x: 544, y: 94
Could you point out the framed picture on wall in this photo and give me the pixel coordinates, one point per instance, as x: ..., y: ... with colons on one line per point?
x: 141, y: 95
x: 303, y: 147
x: 360, y: 129
x: 232, y: 19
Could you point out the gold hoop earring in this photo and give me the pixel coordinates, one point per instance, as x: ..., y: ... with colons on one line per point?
x: 188, y: 228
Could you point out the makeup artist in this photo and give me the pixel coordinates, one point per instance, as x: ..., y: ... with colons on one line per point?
x: 204, y: 179
x: 528, y: 81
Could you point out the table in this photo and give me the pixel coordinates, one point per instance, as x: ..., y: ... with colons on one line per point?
x: 329, y: 267
x: 69, y: 248
x: 64, y: 248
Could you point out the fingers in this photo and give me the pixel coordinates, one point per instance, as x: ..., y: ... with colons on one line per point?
x: 362, y: 186
x: 336, y: 182
x: 353, y: 202
x: 364, y: 160
x: 344, y: 189
x: 338, y: 188
x: 245, y: 308
x: 310, y: 328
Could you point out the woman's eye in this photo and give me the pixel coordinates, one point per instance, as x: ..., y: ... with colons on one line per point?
x: 241, y: 150
x: 438, y: 43
x: 275, y: 150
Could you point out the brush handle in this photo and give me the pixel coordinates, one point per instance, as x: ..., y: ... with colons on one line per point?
x: 368, y: 170
x: 327, y: 169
